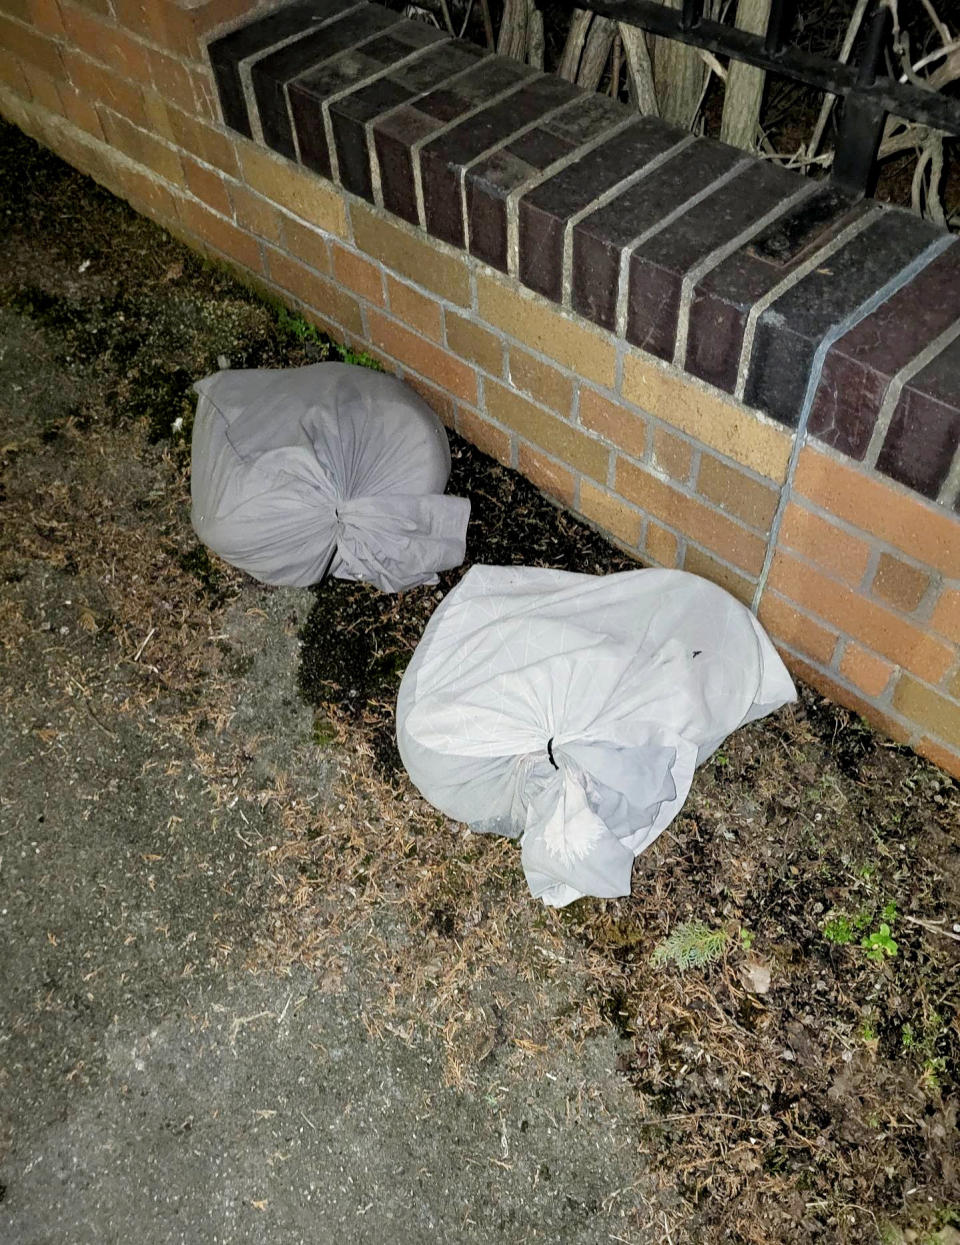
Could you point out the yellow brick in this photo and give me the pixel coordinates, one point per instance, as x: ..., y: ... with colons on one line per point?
x: 411, y: 256
x: 708, y: 416
x: 156, y: 112
x: 325, y: 298
x: 301, y: 193
x: 541, y: 381
x: 542, y: 327
x: 256, y: 214
x: 933, y: 711
x: 306, y: 245
x: 699, y: 563
x: 610, y: 513
x: 671, y: 455
x: 691, y: 516
x: 142, y: 147
x: 661, y: 545
x: 551, y: 434
x: 627, y: 431
x: 485, y: 436
x: 549, y: 476
x: 470, y: 341
x: 418, y: 311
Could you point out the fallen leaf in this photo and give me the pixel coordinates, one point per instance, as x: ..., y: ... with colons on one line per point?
x: 755, y: 977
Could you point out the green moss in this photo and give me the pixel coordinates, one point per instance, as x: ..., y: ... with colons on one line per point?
x: 324, y: 733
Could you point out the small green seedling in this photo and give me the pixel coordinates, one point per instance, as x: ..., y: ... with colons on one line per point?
x: 933, y: 1071
x: 301, y: 329
x: 921, y: 1041
x: 838, y: 930
x: 842, y: 929
x: 358, y: 357
x: 879, y: 944
x: 746, y: 939
x: 691, y: 945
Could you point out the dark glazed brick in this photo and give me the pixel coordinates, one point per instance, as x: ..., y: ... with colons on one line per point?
x: 350, y: 134
x: 790, y: 329
x: 544, y: 212
x: 353, y: 116
x: 925, y: 429
x: 536, y: 149
x: 397, y: 132
x: 722, y: 300
x: 454, y: 58
x: 442, y: 161
x: 488, y: 187
x: 578, y: 125
x: 227, y: 52
x: 353, y: 158
x: 600, y: 238
x: 351, y: 69
x: 860, y: 366
x: 393, y: 139
x: 311, y: 93
x: 471, y: 91
x: 311, y: 135
x: 271, y: 75
x: 658, y: 267
x: 792, y: 235
x: 491, y: 181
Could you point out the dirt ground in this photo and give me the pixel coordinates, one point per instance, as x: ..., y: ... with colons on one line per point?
x: 254, y: 989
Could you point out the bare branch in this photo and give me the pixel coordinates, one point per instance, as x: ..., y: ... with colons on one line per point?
x: 615, y: 68
x: 745, y: 83
x: 466, y: 20
x: 941, y: 27
x: 639, y: 70
x: 679, y: 74
x: 596, y: 53
x: 935, y: 205
x: 853, y: 27
x: 487, y: 24
x: 947, y: 72
x: 535, y: 39
x: 512, y: 40
x: 935, y: 55
x: 573, y: 48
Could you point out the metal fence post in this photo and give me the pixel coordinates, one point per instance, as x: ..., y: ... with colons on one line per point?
x: 864, y: 116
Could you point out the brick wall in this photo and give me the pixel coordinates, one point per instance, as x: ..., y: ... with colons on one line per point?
x: 720, y: 365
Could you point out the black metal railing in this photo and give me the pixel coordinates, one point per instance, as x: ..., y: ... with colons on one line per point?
x: 868, y: 92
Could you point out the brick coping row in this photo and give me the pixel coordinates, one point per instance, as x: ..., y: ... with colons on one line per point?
x: 837, y: 319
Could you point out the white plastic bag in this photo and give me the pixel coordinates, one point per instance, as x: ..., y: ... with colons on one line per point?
x: 300, y: 472
x: 573, y: 710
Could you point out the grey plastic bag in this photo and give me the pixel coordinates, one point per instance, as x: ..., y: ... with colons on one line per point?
x: 327, y: 469
x: 572, y: 710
